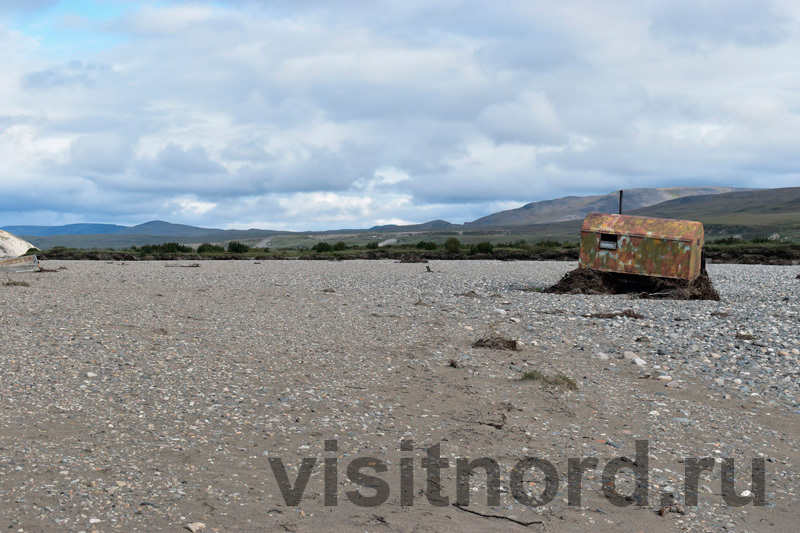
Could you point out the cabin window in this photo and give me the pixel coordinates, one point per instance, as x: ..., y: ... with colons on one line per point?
x: 608, y: 241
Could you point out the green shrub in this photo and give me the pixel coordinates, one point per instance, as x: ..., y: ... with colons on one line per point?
x: 339, y: 246
x: 372, y: 245
x: 207, y: 248
x: 426, y: 245
x: 235, y: 247
x: 452, y: 245
x: 322, y: 247
x: 484, y: 247
x: 166, y: 248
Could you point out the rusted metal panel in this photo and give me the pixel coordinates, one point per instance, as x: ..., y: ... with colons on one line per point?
x: 27, y: 263
x: 662, y: 228
x: 641, y: 245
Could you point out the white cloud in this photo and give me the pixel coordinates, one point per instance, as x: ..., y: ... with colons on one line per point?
x: 530, y: 119
x: 306, y: 114
x: 193, y: 206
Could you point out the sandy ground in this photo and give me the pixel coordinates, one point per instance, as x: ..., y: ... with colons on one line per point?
x: 145, y: 396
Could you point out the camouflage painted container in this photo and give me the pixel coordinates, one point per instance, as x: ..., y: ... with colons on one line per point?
x: 659, y: 247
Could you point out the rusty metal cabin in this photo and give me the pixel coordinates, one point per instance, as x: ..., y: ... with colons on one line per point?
x: 627, y: 244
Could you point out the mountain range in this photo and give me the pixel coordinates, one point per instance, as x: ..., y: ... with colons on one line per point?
x: 577, y: 207
x: 723, y: 210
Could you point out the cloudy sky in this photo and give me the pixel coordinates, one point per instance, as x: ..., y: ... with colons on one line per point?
x: 318, y: 114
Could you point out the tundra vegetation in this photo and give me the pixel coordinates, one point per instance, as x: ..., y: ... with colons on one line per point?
x: 728, y: 250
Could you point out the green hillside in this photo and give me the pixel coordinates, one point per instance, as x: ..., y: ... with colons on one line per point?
x: 749, y: 214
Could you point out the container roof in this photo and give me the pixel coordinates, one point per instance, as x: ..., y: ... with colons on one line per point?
x: 657, y: 228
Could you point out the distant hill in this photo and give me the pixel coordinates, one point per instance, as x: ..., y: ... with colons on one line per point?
x: 69, y: 229
x: 577, y: 207
x: 168, y: 229
x: 757, y: 213
x: 433, y: 225
x: 745, y: 214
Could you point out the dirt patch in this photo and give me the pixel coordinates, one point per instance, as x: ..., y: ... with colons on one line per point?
x: 628, y: 313
x: 496, y: 342
x: 590, y: 281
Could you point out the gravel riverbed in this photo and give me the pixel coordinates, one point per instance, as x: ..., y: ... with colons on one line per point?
x: 151, y: 396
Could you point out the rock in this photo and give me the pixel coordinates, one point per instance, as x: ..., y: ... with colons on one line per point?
x: 639, y: 361
x: 91, y: 375
x: 664, y: 377
x: 602, y: 356
x: 12, y: 246
x: 501, y: 312
x: 630, y: 355
x: 194, y: 527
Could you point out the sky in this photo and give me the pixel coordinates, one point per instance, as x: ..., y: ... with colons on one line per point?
x: 324, y: 114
